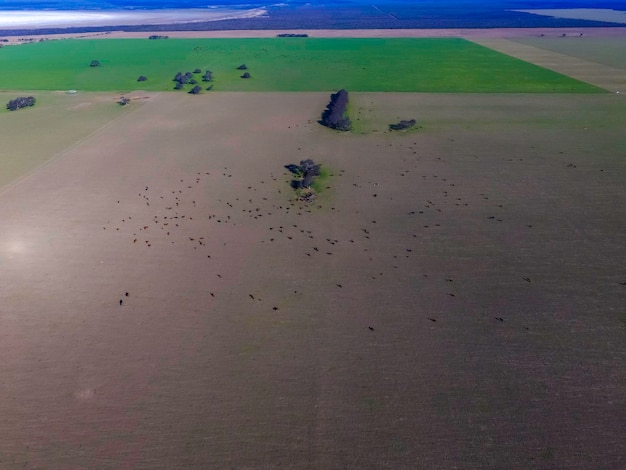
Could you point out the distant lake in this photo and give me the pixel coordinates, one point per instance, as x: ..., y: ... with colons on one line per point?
x: 29, y: 5
x: 187, y: 4
x: 18, y: 14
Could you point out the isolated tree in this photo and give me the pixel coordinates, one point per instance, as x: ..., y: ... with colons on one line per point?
x: 242, y: 67
x: 193, y: 81
x: 197, y: 71
x: 309, y: 167
x: 142, y: 78
x: 305, y: 173
x: 246, y: 75
x: 334, y: 116
x: 94, y: 63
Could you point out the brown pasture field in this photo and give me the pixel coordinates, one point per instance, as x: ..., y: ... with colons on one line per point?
x: 453, y: 299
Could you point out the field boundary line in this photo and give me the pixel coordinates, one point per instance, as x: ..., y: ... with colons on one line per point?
x: 603, y: 76
x: 78, y: 143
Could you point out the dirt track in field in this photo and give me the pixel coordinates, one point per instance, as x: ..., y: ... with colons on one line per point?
x: 453, y: 299
x: 360, y: 33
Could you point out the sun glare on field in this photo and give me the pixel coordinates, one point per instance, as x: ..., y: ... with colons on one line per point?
x: 15, y: 247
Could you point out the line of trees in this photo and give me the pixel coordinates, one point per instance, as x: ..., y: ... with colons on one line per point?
x: 20, y: 102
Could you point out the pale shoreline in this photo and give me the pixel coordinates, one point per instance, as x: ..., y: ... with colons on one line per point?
x: 13, y: 20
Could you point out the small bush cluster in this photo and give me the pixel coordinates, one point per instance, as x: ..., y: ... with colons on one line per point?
x: 305, y: 172
x: 20, y: 102
x: 402, y: 125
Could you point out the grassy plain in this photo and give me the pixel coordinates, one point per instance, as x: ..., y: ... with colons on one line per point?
x: 279, y: 64
x: 31, y: 137
x: 453, y: 300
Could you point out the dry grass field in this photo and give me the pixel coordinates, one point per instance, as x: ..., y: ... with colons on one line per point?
x: 33, y: 136
x: 601, y: 50
x: 594, y: 72
x: 453, y: 299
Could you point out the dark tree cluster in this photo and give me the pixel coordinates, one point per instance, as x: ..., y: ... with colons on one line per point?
x: 402, y: 125
x: 142, y: 78
x: 334, y: 116
x: 292, y: 35
x: 156, y: 36
x: 182, y: 79
x: 20, y: 102
x: 94, y: 63
x: 305, y: 172
x: 195, y: 90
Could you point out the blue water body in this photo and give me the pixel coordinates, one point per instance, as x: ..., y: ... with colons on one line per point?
x: 429, y: 4
x: 18, y: 5
x: 332, y: 14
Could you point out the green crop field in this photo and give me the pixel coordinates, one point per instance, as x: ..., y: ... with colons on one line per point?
x: 278, y: 64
